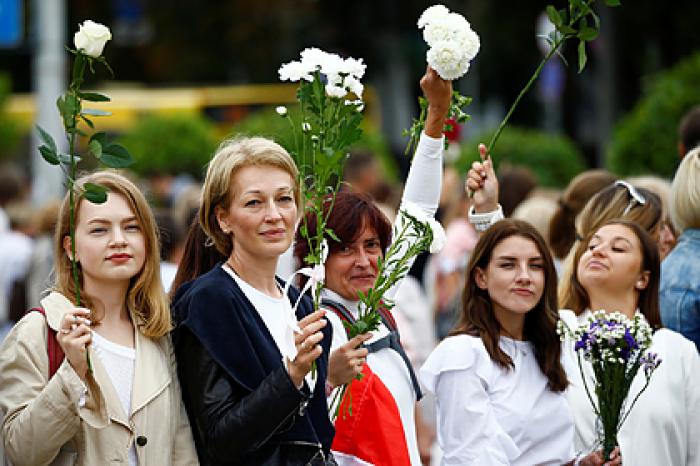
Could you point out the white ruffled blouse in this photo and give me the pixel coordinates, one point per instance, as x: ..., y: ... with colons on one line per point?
x: 490, y: 416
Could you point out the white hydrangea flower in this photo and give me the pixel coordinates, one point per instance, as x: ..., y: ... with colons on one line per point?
x: 295, y: 71
x: 448, y: 60
x: 431, y: 14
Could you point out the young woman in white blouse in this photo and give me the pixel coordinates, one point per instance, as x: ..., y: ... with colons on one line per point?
x: 127, y: 408
x: 618, y: 270
x: 499, y: 379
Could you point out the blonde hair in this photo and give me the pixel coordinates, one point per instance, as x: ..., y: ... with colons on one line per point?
x: 231, y: 156
x: 145, y: 298
x: 685, y: 192
x: 610, y: 203
x: 538, y: 211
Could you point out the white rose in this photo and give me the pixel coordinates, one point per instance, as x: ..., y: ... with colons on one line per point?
x: 281, y: 110
x: 91, y: 38
x: 448, y: 60
x: 431, y: 14
x: 439, y: 236
x: 295, y: 71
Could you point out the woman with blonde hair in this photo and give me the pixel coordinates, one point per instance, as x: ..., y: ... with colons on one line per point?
x: 680, y: 272
x: 244, y: 356
x: 126, y: 407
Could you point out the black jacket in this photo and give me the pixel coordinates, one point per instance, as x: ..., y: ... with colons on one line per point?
x: 243, y: 407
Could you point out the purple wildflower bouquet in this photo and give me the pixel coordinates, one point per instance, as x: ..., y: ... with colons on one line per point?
x: 616, y: 347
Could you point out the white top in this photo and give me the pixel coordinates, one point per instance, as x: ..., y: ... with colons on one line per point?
x: 490, y: 416
x: 272, y: 312
x: 119, y: 361
x: 422, y: 188
x: 664, y: 426
x: 389, y: 367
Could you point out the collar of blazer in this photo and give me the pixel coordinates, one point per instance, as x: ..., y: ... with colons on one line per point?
x: 152, y: 369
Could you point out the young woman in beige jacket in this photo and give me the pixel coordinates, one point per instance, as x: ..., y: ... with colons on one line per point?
x: 126, y: 408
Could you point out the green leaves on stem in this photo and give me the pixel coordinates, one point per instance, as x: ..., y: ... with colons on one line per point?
x: 456, y: 114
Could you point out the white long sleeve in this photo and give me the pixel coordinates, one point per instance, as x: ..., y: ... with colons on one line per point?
x: 490, y: 416
x: 424, y: 181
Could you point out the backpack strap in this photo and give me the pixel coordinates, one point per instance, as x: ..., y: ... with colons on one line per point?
x: 54, y: 350
x: 391, y: 341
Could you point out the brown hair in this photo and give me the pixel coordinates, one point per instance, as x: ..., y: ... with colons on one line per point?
x: 562, y: 227
x: 145, y: 298
x: 478, y: 319
x: 231, y: 156
x: 351, y: 213
x: 608, y: 204
x: 648, y: 302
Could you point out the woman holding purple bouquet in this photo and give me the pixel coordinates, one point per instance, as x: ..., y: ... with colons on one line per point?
x: 616, y: 268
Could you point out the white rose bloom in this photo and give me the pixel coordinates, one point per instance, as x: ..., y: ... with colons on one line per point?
x: 333, y: 90
x: 295, y: 71
x: 91, y: 38
x: 448, y: 59
x: 439, y: 236
x: 431, y: 14
x: 354, y: 86
x: 281, y: 110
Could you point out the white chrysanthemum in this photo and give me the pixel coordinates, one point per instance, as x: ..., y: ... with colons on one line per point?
x: 431, y: 14
x: 333, y: 90
x: 439, y: 236
x: 305, y: 127
x: 281, y: 110
x: 448, y: 59
x: 354, y: 86
x: 332, y: 65
x: 354, y: 67
x: 469, y: 42
x: 295, y: 71
x: 314, y: 58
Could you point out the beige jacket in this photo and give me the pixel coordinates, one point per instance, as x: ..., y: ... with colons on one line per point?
x: 43, y: 424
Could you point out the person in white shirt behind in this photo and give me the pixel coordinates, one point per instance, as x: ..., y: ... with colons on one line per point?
x: 499, y: 379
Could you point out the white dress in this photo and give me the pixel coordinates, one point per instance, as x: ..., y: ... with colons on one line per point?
x: 490, y: 416
x: 664, y: 426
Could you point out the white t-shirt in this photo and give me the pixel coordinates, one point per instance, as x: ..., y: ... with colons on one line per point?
x: 271, y: 311
x: 119, y: 362
x: 490, y: 416
x: 664, y: 425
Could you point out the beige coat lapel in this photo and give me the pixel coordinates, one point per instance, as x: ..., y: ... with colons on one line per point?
x: 152, y: 372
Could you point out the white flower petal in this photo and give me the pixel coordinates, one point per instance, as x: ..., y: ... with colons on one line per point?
x: 431, y: 14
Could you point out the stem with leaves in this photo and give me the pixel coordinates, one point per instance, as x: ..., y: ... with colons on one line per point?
x: 456, y: 114
x: 70, y: 107
x: 570, y: 23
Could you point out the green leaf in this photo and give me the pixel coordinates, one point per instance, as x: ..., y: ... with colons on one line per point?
x: 88, y: 121
x: 588, y: 34
x: 116, y: 156
x: 565, y: 29
x: 94, y: 96
x: 95, y: 112
x: 95, y: 148
x: 49, y: 154
x: 95, y: 193
x: 613, y: 3
x: 100, y: 137
x: 581, y: 55
x: 47, y: 139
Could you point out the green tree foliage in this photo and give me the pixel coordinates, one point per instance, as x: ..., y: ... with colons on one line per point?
x: 171, y: 144
x: 554, y: 159
x: 645, y: 140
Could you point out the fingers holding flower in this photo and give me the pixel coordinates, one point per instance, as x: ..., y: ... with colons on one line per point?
x: 74, y: 334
